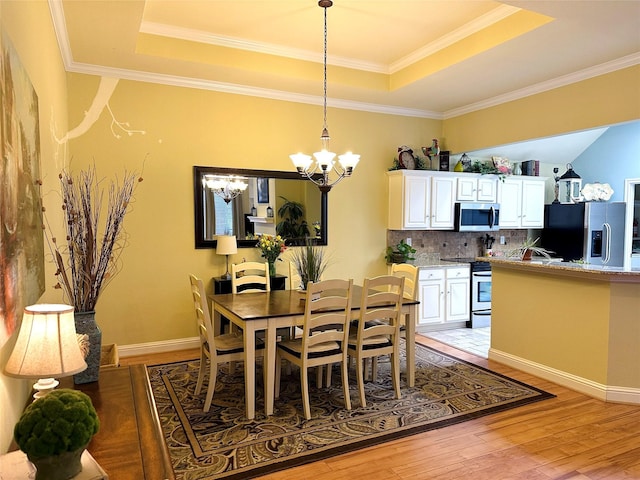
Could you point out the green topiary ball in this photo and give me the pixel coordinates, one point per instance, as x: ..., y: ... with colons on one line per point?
x: 62, y: 421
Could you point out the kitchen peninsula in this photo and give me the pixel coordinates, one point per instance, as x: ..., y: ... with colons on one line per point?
x: 574, y: 324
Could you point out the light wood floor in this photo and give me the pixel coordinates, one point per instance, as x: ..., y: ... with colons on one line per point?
x: 570, y: 437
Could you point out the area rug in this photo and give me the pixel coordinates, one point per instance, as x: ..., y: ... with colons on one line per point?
x: 224, y: 444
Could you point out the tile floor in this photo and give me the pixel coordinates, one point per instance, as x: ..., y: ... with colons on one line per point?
x: 472, y: 340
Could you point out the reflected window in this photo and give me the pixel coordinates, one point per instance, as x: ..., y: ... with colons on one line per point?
x: 272, y: 203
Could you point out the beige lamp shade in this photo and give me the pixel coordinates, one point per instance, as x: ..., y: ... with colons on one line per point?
x: 47, y: 345
x: 226, y: 245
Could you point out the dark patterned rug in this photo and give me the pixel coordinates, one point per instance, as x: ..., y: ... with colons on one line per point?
x: 224, y: 444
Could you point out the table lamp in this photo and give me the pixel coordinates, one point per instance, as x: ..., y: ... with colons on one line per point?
x: 227, y: 246
x: 47, y: 347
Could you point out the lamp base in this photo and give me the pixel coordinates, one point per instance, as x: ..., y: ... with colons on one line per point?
x: 44, y: 386
x: 226, y: 276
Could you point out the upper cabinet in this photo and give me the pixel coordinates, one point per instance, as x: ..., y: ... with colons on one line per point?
x: 419, y: 200
x: 425, y: 199
x: 521, y: 202
x: 474, y: 189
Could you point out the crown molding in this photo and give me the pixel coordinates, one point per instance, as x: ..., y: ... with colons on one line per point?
x: 208, y: 38
x: 455, y: 36
x: 59, y: 25
x: 585, y: 74
x: 235, y: 89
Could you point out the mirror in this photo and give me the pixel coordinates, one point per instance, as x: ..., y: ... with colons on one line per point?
x: 273, y: 202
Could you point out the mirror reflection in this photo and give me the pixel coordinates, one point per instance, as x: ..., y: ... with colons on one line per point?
x: 248, y: 203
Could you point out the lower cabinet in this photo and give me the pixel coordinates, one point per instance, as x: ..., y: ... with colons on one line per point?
x: 444, y: 297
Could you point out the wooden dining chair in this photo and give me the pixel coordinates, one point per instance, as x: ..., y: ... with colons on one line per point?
x: 378, y: 328
x: 214, y: 349
x: 247, y: 277
x: 410, y: 274
x: 324, y: 339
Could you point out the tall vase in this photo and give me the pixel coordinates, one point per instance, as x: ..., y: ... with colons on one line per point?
x: 272, y: 269
x: 86, y: 323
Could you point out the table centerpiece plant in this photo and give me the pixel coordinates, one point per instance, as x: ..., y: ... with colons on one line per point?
x: 310, y: 262
x: 270, y: 248
x: 55, y: 430
x: 87, y: 259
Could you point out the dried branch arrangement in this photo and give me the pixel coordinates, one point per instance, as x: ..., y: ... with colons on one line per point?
x: 88, y: 259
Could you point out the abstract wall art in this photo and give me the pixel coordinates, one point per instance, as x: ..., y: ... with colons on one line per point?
x: 21, y: 235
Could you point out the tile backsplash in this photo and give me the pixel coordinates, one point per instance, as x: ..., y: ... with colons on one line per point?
x: 447, y: 244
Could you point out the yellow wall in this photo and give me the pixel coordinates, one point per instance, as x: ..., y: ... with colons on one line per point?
x: 572, y: 311
x: 148, y: 301
x: 603, y: 100
x: 41, y: 59
x: 586, y: 326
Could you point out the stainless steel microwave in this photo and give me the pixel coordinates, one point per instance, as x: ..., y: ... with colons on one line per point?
x: 477, y: 217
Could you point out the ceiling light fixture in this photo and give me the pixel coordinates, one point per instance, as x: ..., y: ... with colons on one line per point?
x: 226, y: 187
x: 324, y: 159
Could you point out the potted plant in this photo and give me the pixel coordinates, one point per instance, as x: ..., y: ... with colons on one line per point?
x: 54, y: 431
x: 87, y: 260
x: 293, y: 224
x: 400, y: 253
x: 527, y: 249
x: 310, y: 262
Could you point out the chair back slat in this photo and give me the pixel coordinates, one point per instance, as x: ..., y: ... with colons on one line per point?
x: 326, y: 318
x: 251, y: 273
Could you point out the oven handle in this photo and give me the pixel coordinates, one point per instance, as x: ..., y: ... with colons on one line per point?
x: 482, y: 313
x: 481, y: 274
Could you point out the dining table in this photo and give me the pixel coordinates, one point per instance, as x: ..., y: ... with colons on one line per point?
x: 267, y: 312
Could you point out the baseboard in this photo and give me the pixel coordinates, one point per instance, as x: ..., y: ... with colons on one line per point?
x: 158, y: 347
x: 607, y: 393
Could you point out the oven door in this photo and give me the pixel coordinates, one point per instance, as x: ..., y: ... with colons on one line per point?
x: 480, y: 299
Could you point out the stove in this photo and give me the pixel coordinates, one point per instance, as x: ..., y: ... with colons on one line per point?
x: 480, y: 289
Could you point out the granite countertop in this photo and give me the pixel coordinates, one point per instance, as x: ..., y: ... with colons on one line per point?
x: 554, y: 266
x: 432, y: 260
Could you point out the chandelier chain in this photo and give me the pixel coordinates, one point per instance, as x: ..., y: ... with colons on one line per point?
x: 325, y: 69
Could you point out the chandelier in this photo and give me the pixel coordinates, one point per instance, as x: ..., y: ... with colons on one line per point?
x: 226, y: 187
x: 319, y: 171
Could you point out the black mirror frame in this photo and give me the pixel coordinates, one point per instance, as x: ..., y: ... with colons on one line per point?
x: 199, y: 171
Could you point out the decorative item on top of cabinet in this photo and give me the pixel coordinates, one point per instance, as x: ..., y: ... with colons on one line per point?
x: 406, y: 160
x: 431, y: 152
x: 444, y: 160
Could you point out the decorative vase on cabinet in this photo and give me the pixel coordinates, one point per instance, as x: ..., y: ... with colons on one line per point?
x: 86, y: 324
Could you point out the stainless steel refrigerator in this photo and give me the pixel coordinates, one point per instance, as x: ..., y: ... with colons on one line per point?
x: 591, y: 231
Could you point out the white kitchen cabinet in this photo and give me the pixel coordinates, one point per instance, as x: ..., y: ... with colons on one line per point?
x: 521, y: 202
x: 476, y: 189
x: 458, y: 297
x: 444, y: 297
x: 420, y: 200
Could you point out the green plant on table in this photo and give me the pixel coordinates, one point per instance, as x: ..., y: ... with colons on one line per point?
x: 402, y: 252
x: 64, y: 420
